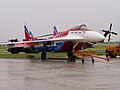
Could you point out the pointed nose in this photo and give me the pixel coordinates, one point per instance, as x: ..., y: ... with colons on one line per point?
x: 96, y: 36
x: 99, y: 37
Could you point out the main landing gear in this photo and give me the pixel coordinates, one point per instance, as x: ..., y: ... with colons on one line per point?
x: 70, y: 54
x: 43, y: 56
x: 71, y: 57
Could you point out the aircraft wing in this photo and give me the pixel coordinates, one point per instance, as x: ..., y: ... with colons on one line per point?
x: 13, y: 43
x: 72, y: 39
x: 7, y: 43
x: 23, y: 42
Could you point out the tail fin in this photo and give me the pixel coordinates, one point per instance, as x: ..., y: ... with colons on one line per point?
x: 28, y: 34
x: 55, y: 31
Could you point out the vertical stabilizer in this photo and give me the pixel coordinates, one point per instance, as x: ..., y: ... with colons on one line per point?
x: 28, y: 34
x: 55, y: 31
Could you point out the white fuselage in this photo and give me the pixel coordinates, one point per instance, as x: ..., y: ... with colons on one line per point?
x: 85, y: 36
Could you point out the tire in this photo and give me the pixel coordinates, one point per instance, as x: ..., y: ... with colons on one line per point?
x: 72, y: 58
x: 43, y: 56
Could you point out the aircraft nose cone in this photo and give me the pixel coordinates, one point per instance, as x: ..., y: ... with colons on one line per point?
x: 97, y: 37
x: 100, y: 37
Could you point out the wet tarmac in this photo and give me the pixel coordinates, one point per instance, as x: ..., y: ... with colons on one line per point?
x: 19, y: 74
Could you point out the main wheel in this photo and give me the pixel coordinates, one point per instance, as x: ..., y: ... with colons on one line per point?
x: 72, y: 58
x: 43, y: 56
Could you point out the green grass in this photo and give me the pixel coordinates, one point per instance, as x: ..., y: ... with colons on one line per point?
x: 13, y: 56
x: 52, y: 54
x: 98, y: 50
x: 3, y: 49
x: 36, y: 55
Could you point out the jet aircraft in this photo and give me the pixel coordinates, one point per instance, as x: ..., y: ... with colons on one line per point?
x: 70, y: 40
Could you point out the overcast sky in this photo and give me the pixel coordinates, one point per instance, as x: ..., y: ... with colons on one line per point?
x: 41, y: 15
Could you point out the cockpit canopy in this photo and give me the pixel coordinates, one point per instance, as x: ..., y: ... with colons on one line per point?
x: 81, y: 27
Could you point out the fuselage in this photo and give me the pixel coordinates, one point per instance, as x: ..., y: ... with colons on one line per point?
x: 86, y: 36
x: 80, y: 34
